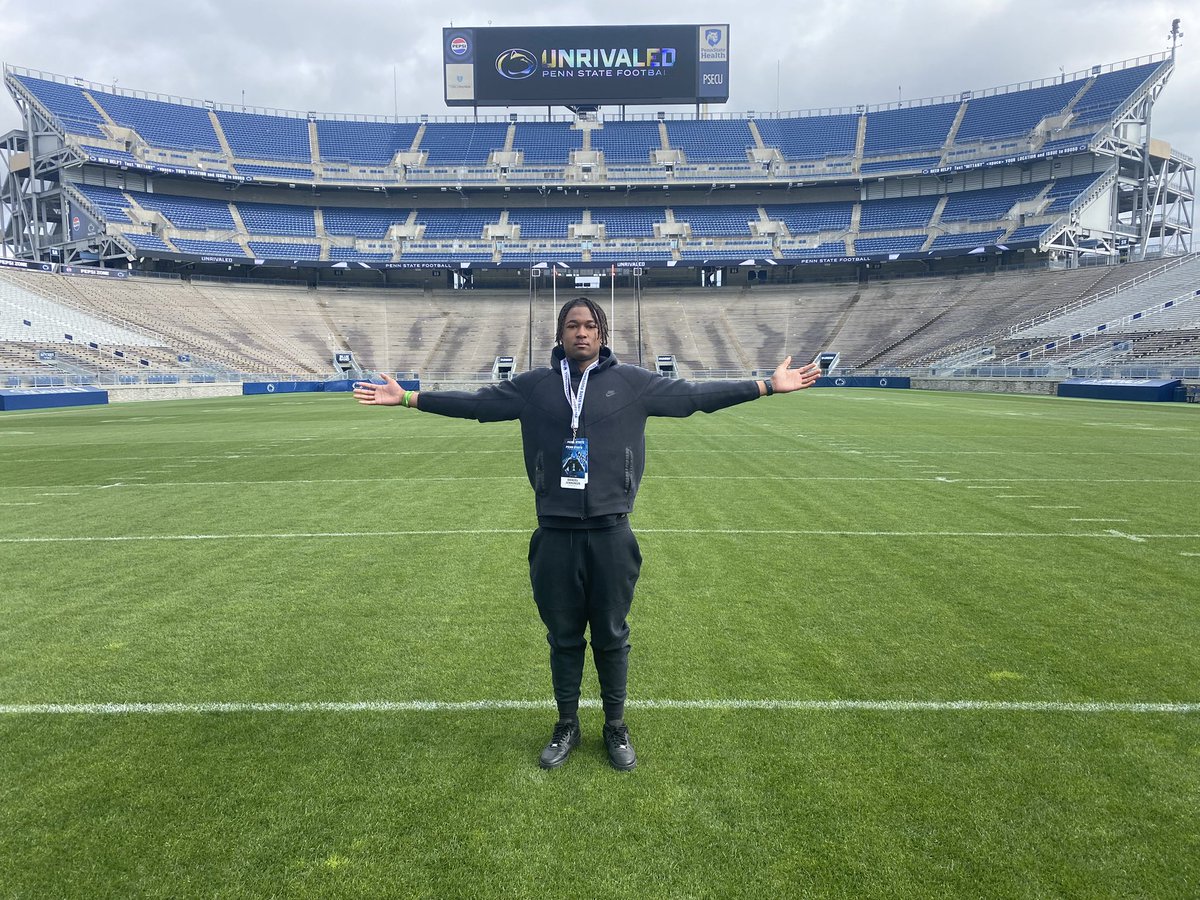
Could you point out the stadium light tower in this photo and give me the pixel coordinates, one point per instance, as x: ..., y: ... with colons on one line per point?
x: 1175, y: 35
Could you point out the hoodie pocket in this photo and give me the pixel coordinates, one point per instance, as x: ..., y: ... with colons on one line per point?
x: 628, y: 469
x: 539, y: 475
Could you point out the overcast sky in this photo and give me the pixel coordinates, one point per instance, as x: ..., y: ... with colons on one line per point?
x: 355, y: 56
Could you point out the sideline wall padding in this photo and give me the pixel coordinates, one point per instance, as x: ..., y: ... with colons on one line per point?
x: 50, y: 397
x: 1156, y: 389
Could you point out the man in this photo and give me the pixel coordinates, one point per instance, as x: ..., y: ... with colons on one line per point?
x: 583, y: 423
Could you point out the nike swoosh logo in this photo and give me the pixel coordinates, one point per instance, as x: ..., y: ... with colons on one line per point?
x: 611, y: 394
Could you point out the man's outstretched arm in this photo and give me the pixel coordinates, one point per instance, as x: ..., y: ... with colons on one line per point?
x: 492, y: 403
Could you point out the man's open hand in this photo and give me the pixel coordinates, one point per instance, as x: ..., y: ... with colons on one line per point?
x: 786, y: 380
x: 387, y: 394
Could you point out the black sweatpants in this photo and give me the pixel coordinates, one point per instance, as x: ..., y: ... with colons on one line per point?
x: 582, y: 578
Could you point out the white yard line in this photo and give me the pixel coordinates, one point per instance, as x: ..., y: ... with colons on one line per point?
x: 982, y: 484
x: 440, y: 532
x: 370, y: 706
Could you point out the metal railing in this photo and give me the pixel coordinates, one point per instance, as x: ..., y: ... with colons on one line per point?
x: 1082, y: 302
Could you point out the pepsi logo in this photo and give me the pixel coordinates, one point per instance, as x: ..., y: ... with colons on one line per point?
x: 459, y: 46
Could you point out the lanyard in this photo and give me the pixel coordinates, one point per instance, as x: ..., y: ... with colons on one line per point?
x: 576, y: 400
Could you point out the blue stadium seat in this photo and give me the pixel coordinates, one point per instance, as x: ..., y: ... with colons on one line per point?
x: 162, y: 124
x: 627, y: 142
x: 1012, y: 114
x: 810, y: 137
x: 146, y: 241
x: 110, y: 201
x: 823, y: 251
x: 1026, y: 234
x: 711, y: 140
x: 909, y: 243
x: 364, y: 142
x: 275, y: 218
x: 547, y: 142
x: 807, y: 218
x: 256, y: 136
x: 192, y: 213
x: 456, y: 223
x: 898, y: 212
x: 281, y: 250
x: 545, y: 223
x: 215, y: 248
x: 628, y: 221
x: 909, y: 128
x: 367, y: 223
x: 353, y: 254
x: 67, y: 104
x: 1066, y: 190
x: 462, y: 144
x: 962, y: 241
x: 1109, y: 91
x: 717, y: 221
x: 987, y: 204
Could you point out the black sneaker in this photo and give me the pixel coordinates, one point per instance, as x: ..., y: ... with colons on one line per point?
x: 566, y: 738
x: 620, y: 750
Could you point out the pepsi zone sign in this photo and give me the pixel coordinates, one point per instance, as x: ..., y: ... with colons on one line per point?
x: 586, y: 65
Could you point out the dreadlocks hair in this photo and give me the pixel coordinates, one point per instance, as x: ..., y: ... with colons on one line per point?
x: 593, y: 308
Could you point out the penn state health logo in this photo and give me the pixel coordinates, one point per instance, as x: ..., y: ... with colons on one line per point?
x: 713, y: 36
x: 459, y: 46
x: 516, y: 64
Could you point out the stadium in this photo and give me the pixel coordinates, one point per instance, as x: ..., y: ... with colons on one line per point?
x: 885, y: 214
x: 926, y: 630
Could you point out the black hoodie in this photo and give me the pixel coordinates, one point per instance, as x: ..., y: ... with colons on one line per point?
x: 617, y: 403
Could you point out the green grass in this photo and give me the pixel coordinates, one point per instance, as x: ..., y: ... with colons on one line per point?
x: 834, y: 545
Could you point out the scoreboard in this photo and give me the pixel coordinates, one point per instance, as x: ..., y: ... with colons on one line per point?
x: 586, y: 65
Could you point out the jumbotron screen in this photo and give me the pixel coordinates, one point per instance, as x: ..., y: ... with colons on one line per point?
x: 585, y: 65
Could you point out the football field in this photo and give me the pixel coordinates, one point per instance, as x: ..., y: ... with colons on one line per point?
x: 885, y: 644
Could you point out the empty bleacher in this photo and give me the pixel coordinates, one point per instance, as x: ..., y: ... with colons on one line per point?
x: 805, y: 218
x: 627, y: 142
x: 717, y: 221
x: 162, y: 124
x: 909, y: 129
x: 256, y: 136
x: 810, y: 137
x: 367, y: 142
x: 547, y: 142
x: 899, y: 212
x: 1013, y: 114
x: 545, y: 223
x: 278, y: 219
x: 711, y: 141
x: 987, y: 204
x: 448, y: 144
